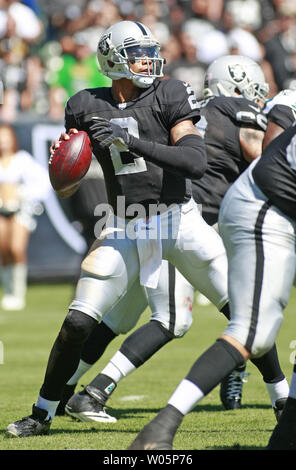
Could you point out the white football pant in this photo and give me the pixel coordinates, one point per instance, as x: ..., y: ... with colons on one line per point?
x: 109, y: 286
x: 260, y: 244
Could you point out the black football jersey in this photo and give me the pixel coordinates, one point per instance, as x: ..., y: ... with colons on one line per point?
x: 275, y: 172
x: 281, y: 115
x: 149, y: 117
x: 281, y: 109
x: 220, y: 123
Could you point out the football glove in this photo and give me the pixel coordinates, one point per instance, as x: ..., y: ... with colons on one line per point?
x: 108, y: 133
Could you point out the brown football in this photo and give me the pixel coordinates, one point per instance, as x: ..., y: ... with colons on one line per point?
x: 70, y: 162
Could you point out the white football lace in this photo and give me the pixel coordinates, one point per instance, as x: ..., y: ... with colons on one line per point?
x: 235, y: 384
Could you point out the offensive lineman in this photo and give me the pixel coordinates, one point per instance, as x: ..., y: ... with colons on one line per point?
x: 234, y: 128
x: 281, y: 113
x: 144, y: 136
x: 257, y: 223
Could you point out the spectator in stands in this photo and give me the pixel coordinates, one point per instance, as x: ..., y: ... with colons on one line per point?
x: 19, y: 20
x: 263, y: 30
x: 77, y: 68
x: 23, y: 184
x: 20, y: 28
x: 34, y: 96
x: 279, y: 39
x: 182, y: 61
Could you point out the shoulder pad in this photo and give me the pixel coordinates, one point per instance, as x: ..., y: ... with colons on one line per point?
x: 179, y: 101
x: 171, y: 88
x: 284, y: 98
x: 240, y: 109
x: 251, y: 113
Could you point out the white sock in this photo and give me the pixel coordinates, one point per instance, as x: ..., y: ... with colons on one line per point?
x: 82, y: 368
x: 48, y: 405
x: 7, y: 279
x: 118, y: 367
x: 186, y: 396
x: 19, y: 273
x: 277, y: 390
x: 292, y: 392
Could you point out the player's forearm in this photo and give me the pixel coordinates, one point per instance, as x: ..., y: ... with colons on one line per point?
x: 186, y: 158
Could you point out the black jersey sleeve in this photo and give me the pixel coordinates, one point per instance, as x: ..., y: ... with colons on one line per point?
x: 178, y: 101
x: 187, y: 158
x: 70, y: 118
x: 281, y: 115
x: 244, y: 113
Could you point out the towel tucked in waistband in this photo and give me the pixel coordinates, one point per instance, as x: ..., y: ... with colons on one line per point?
x: 148, y: 234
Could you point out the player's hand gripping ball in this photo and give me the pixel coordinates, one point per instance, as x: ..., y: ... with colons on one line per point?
x: 70, y: 161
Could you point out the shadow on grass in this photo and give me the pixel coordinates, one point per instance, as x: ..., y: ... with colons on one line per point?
x: 127, y: 413
x: 140, y: 414
x: 234, y: 447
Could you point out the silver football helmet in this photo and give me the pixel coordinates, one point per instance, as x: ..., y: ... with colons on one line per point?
x: 235, y: 75
x: 124, y: 43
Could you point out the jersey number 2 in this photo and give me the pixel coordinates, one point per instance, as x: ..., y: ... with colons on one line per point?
x: 138, y: 164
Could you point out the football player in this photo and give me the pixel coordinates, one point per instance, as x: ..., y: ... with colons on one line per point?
x: 233, y: 128
x: 143, y: 134
x: 281, y: 113
x: 258, y: 225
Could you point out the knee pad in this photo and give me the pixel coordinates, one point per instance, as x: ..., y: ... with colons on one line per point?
x: 77, y: 327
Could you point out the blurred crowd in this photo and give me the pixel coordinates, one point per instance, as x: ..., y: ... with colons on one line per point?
x: 47, y: 48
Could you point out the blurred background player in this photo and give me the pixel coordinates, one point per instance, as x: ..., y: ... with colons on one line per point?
x: 24, y: 184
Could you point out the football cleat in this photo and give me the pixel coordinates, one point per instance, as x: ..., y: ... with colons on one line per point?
x: 282, y: 438
x: 68, y: 392
x: 148, y: 440
x: 279, y: 407
x: 231, y: 388
x: 159, y: 433
x: 37, y: 424
x: 88, y: 405
x: 284, y: 433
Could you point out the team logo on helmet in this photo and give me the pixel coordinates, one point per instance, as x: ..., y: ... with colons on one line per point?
x: 104, y: 47
x: 237, y: 73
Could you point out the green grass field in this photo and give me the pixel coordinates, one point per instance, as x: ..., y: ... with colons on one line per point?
x: 27, y: 337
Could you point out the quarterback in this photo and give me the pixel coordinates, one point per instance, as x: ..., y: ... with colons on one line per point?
x: 143, y: 134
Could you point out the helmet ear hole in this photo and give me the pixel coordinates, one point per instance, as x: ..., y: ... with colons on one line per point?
x: 237, y: 91
x: 110, y: 63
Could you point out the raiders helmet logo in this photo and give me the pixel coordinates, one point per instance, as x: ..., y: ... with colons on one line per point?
x: 103, y: 46
x: 237, y: 73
